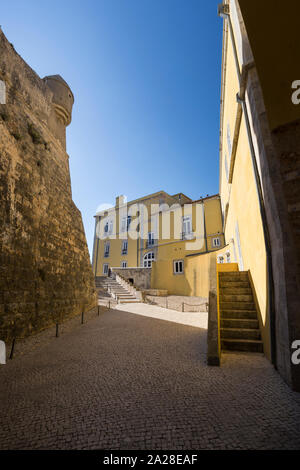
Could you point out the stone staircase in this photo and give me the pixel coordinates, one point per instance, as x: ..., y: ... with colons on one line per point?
x: 115, y: 289
x: 239, y: 327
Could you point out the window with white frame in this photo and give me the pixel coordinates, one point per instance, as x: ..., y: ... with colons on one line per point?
x: 226, y: 167
x: 105, y: 268
x: 186, y: 226
x: 150, y: 240
x: 108, y: 227
x: 124, y: 247
x: 178, y: 266
x: 106, y: 249
x: 125, y: 223
x: 221, y: 259
x: 229, y: 141
x: 124, y: 264
x: 148, y: 258
x: 216, y: 242
x: 228, y: 257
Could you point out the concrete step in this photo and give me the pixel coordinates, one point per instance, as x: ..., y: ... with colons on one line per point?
x: 237, y: 305
x: 240, y: 333
x: 239, y: 323
x: 128, y: 301
x: 238, y: 314
x: 236, y: 297
x: 242, y: 345
x: 236, y: 291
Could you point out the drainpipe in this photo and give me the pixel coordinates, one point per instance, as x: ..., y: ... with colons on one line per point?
x: 204, y: 224
x: 223, y: 11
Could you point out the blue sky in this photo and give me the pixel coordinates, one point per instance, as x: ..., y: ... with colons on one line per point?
x: 146, y: 79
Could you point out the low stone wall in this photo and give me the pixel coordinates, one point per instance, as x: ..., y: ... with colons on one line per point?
x: 140, y: 277
x: 156, y: 292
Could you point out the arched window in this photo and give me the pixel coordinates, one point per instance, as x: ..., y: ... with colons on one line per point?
x: 148, y: 258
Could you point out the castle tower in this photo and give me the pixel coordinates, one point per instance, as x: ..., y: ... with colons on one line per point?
x: 62, y: 100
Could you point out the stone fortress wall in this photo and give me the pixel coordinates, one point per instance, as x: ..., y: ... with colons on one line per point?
x: 45, y: 270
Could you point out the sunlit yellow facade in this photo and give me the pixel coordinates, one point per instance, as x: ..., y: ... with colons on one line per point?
x: 168, y: 233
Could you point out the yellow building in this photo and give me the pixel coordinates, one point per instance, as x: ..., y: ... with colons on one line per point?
x: 259, y: 165
x: 163, y: 232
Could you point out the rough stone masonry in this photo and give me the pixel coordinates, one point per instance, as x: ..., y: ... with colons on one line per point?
x: 45, y: 271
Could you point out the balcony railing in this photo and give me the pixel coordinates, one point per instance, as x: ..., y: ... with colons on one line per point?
x: 106, y: 254
x: 124, y: 252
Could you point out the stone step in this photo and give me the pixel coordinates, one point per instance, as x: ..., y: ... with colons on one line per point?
x: 233, y: 284
x: 125, y: 296
x: 238, y: 314
x: 239, y: 323
x: 234, y: 276
x: 236, y: 297
x: 240, y: 333
x: 121, y: 291
x: 235, y: 291
x: 128, y: 301
x: 237, y: 305
x: 242, y: 345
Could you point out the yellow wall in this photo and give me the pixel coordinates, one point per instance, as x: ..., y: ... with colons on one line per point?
x: 194, y: 281
x: 242, y: 199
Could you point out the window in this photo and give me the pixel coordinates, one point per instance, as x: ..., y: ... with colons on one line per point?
x: 220, y: 259
x: 105, y: 269
x: 148, y: 258
x: 186, y: 226
x: 178, y: 266
x: 216, y: 242
x: 108, y: 227
x: 124, y: 247
x: 229, y: 144
x: 125, y: 223
x: 106, y: 250
x: 228, y: 257
x: 150, y: 240
x: 226, y: 167
x: 124, y: 264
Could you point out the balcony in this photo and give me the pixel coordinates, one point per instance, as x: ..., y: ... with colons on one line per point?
x: 124, y: 252
x: 106, y: 254
x: 187, y: 235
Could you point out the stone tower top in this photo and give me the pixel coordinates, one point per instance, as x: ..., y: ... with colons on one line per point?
x: 63, y: 98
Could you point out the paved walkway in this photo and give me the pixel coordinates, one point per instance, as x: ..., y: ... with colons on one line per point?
x: 127, y: 381
x: 197, y: 319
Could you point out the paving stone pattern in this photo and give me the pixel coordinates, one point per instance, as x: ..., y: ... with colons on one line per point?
x: 125, y: 381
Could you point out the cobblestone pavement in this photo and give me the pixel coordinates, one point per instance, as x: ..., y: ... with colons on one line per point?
x: 125, y: 381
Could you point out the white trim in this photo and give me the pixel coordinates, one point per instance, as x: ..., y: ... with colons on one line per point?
x: 180, y: 266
